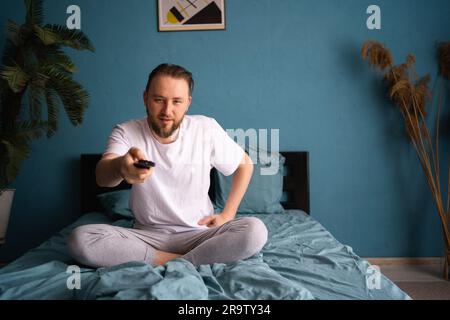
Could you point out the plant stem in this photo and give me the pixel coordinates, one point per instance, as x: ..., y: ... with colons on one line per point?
x: 424, y: 159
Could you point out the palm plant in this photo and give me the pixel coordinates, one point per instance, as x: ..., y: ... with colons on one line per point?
x: 35, y: 73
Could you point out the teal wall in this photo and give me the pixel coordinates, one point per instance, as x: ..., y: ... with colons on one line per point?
x: 290, y: 64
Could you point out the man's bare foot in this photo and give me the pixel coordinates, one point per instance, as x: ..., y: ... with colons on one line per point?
x: 162, y: 257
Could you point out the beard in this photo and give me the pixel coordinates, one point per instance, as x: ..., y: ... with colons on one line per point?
x: 164, y: 131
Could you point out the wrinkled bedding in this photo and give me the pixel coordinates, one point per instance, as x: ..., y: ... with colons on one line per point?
x: 301, y: 260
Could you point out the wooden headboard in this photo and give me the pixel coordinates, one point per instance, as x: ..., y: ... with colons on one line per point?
x: 295, y: 183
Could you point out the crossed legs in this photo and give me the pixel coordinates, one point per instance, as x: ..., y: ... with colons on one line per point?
x: 102, y: 245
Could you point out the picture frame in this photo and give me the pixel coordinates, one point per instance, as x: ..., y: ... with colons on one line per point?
x: 186, y: 15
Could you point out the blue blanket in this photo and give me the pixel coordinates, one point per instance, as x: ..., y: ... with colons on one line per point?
x: 301, y: 260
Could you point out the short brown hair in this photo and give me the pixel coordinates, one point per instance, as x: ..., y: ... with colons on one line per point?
x: 173, y: 71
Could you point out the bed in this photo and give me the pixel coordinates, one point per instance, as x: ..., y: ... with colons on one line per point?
x: 301, y: 260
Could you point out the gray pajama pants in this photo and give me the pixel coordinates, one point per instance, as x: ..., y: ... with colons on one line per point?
x: 103, y: 245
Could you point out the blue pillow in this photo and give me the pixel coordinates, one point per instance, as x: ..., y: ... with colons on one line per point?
x: 264, y: 192
x: 115, y: 203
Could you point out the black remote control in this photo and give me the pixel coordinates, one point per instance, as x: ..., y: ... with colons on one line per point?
x: 144, y: 164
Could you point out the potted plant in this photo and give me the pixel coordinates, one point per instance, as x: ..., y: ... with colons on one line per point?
x: 410, y: 93
x: 35, y: 75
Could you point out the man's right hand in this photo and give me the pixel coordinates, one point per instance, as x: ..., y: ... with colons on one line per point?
x: 129, y: 172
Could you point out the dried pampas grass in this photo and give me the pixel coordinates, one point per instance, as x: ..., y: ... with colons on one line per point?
x: 378, y: 56
x: 406, y: 90
x: 411, y: 94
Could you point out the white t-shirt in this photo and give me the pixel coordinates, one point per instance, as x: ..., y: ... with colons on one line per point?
x: 175, y: 197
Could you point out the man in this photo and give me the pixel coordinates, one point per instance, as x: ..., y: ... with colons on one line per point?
x: 174, y: 216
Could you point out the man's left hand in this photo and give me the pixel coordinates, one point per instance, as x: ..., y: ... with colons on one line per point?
x: 215, y: 220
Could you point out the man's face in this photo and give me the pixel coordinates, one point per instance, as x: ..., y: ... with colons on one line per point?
x: 167, y: 100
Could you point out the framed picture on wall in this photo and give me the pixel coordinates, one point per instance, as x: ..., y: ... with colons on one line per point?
x: 182, y: 15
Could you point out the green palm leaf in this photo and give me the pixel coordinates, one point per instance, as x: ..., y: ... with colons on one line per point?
x: 75, y: 39
x: 47, y: 36
x: 64, y: 62
x: 35, y: 14
x: 13, y: 31
x: 56, y: 57
x: 53, y: 56
x: 51, y: 98
x: 16, y: 77
x: 35, y: 91
x: 73, y: 96
x: 23, y: 131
